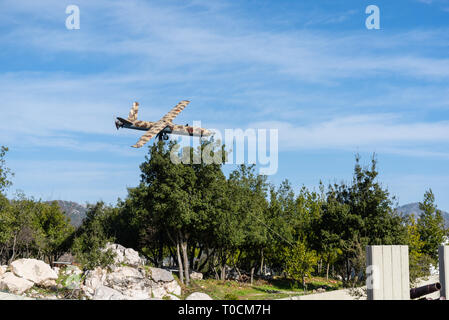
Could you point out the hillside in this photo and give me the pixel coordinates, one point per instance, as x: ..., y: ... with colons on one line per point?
x: 73, y: 210
x: 410, y: 208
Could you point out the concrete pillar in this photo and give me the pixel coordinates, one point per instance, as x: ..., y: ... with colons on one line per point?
x: 387, y: 273
x: 443, y: 266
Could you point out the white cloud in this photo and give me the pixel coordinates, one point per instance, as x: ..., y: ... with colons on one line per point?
x: 373, y: 132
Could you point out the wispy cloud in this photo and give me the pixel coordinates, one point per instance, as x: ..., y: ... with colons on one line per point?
x: 383, y: 132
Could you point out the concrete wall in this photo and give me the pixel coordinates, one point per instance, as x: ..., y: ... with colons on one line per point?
x: 387, y: 273
x: 443, y: 262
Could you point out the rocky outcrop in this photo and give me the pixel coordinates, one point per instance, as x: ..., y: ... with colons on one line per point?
x: 129, y: 278
x: 124, y: 255
x: 106, y: 293
x: 131, y: 283
x: 14, y: 284
x: 126, y: 279
x: 198, y: 296
x: 33, y: 270
x: 24, y: 274
x: 93, y: 280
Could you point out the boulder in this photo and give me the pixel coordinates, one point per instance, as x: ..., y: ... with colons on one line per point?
x: 198, y: 296
x: 124, y: 255
x: 131, y: 257
x: 33, y: 270
x: 14, y: 284
x: 94, y: 278
x: 106, y: 293
x: 196, y: 275
x: 3, y: 270
x: 172, y: 297
x: 130, y: 282
x: 172, y: 287
x: 161, y: 275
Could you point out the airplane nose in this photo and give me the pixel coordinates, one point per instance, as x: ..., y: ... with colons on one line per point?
x: 118, y: 124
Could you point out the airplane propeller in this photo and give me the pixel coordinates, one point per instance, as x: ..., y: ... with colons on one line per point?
x: 117, y: 122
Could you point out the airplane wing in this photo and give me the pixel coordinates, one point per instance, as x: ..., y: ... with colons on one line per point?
x: 154, y: 130
x: 175, y: 111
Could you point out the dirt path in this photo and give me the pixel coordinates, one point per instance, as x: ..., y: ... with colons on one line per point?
x: 345, y: 295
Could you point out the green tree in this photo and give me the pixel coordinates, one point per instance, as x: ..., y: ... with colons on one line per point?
x: 92, y: 237
x: 357, y: 215
x: 300, y: 261
x: 5, y: 172
x: 419, y: 261
x: 53, y: 229
x: 180, y: 198
x: 431, y: 226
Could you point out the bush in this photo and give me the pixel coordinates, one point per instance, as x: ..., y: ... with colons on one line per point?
x: 230, y: 296
x: 91, y: 240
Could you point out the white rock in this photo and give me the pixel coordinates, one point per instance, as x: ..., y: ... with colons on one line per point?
x: 172, y: 297
x: 124, y: 255
x: 198, y: 296
x: 3, y: 270
x: 159, y: 292
x: 33, y: 270
x: 196, y: 275
x: 159, y: 275
x: 132, y: 258
x: 131, y: 282
x: 56, y: 269
x: 173, y: 287
x: 14, y: 284
x: 106, y: 293
x: 48, y: 283
x: 95, y: 278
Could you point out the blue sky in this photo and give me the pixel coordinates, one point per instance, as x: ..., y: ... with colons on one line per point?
x: 309, y: 68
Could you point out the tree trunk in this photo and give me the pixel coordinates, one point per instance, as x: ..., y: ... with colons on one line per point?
x: 160, y: 258
x: 327, y: 272
x: 186, y: 260
x: 208, y: 256
x: 261, y: 262
x: 252, y: 275
x: 195, y: 265
x: 192, y: 256
x: 216, y: 273
x: 304, y: 284
x: 13, y: 249
x: 181, y: 275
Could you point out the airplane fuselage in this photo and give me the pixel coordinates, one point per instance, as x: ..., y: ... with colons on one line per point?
x: 185, y: 130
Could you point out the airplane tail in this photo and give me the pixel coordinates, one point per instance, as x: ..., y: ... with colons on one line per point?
x: 133, y: 112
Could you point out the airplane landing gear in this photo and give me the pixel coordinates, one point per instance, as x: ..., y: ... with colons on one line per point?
x: 163, y: 136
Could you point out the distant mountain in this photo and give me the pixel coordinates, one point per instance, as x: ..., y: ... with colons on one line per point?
x: 73, y: 210
x: 408, y: 209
